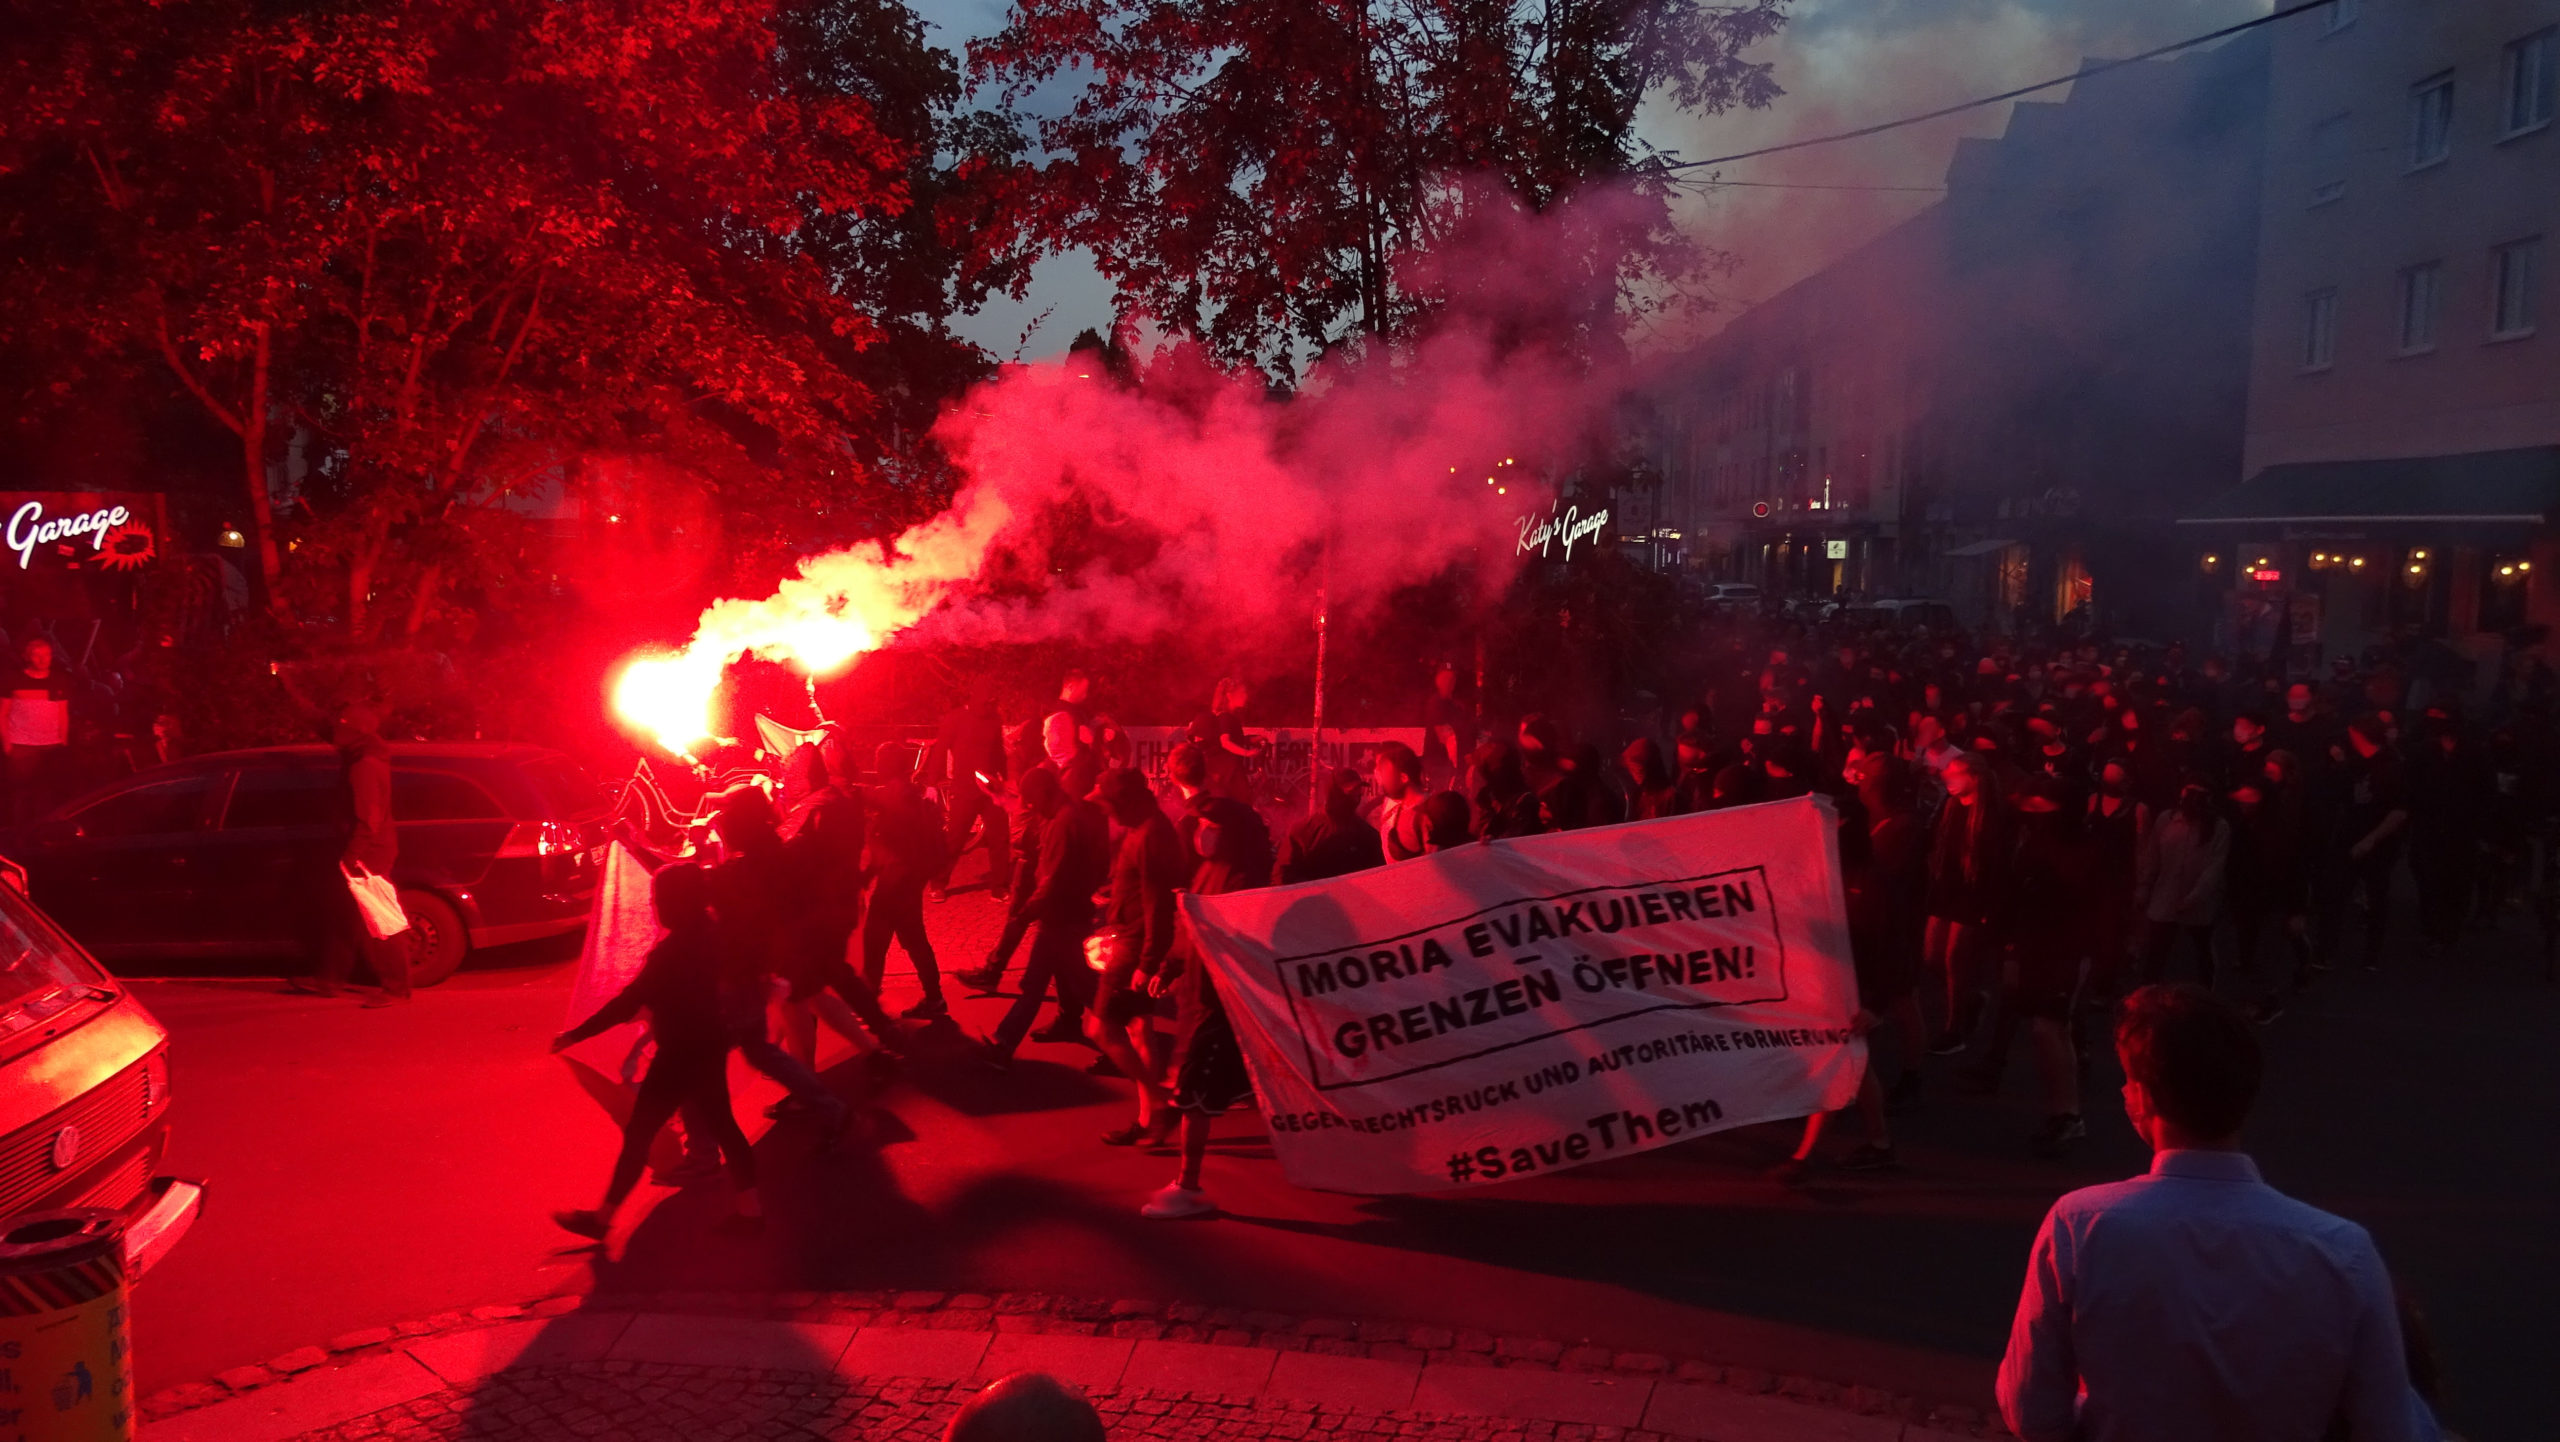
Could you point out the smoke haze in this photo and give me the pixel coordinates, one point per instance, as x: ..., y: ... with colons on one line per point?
x: 1849, y: 63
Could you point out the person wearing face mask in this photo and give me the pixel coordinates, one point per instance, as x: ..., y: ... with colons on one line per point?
x: 1232, y: 852
x: 2179, y: 890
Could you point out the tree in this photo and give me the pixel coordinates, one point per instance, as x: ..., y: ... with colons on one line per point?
x: 1250, y: 171
x: 451, y: 246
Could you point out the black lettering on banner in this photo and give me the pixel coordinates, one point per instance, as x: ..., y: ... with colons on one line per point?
x: 1382, y: 1009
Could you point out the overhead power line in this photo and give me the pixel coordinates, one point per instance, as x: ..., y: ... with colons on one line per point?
x: 2006, y: 95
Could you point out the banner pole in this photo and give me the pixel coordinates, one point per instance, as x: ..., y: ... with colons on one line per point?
x: 1315, y: 741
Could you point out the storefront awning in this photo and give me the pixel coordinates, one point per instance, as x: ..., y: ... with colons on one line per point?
x: 1977, y: 548
x: 2484, y: 488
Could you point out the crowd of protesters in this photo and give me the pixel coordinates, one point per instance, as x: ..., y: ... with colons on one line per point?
x: 2027, y: 833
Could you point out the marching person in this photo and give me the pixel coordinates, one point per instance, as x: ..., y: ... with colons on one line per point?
x: 1334, y: 841
x: 1075, y: 860
x: 372, y: 846
x: 1071, y: 739
x: 1398, y: 774
x: 987, y: 978
x: 1222, y: 739
x: 966, y: 763
x: 2180, y: 889
x: 1232, y: 849
x: 681, y: 989
x: 904, y: 856
x: 1968, y: 866
x: 1138, y: 933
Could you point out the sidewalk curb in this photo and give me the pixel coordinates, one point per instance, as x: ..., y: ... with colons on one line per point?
x: 1174, y: 1351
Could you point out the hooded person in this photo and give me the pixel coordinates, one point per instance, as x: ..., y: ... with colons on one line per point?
x: 1335, y: 841
x: 371, y: 848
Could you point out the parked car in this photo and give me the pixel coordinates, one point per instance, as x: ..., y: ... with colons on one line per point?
x: 217, y: 856
x: 84, y: 1087
x: 1733, y: 596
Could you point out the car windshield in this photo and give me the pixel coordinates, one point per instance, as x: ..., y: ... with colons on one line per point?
x: 40, y: 973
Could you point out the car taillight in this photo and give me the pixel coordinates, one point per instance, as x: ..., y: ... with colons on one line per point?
x: 542, y: 838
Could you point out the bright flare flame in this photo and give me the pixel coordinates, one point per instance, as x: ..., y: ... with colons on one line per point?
x: 841, y: 606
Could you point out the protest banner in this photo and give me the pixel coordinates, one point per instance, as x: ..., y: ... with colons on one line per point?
x: 1519, y: 1007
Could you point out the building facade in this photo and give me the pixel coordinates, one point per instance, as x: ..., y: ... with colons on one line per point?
x: 2402, y: 455
x: 2008, y: 400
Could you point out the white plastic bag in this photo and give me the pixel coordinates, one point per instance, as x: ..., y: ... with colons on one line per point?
x: 379, y: 900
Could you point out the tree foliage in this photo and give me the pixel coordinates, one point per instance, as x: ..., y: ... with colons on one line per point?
x: 1249, y: 171
x: 429, y: 256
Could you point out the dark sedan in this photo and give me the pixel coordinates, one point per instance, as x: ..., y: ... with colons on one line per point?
x: 218, y: 856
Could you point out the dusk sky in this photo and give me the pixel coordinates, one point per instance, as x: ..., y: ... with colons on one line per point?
x: 1844, y: 63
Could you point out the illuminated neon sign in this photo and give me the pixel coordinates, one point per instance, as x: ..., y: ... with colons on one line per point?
x: 29, y: 529
x: 1540, y: 533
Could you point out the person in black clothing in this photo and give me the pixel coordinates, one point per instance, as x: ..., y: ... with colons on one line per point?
x: 761, y: 895
x: 966, y: 762
x: 1224, y: 743
x: 1146, y: 871
x: 987, y: 978
x: 1232, y: 849
x: 372, y: 846
x: 1650, y: 792
x: 690, y: 1009
x: 1504, y: 804
x: 905, y: 854
x: 1694, y: 789
x: 2377, y: 816
x: 1075, y: 859
x: 821, y: 850
x: 1968, y: 873
x: 2045, y: 927
x: 1863, y: 888
x: 2268, y: 879
x: 1334, y: 841
x: 1447, y: 821
x: 1448, y: 729
x: 2450, y: 798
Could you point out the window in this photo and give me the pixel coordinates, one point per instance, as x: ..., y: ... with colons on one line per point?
x: 159, y: 809
x: 2517, y: 276
x: 2339, y: 15
x: 439, y: 796
x: 2328, y: 159
x: 2421, y: 288
x: 2319, y: 330
x: 2530, y: 77
x: 2431, y: 120
x: 284, y: 796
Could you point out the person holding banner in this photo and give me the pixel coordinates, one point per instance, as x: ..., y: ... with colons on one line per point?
x: 1398, y: 774
x: 1233, y: 848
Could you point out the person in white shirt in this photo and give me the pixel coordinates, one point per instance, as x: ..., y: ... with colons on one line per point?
x: 2197, y: 1303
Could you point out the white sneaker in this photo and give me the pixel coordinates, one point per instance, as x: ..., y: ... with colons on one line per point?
x: 1178, y: 1202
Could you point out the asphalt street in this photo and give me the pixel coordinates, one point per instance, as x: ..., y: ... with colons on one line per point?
x: 372, y: 1166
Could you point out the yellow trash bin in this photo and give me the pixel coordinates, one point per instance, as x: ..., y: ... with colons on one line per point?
x: 65, y: 1359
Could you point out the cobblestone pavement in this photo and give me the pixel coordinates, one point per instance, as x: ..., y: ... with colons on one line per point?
x: 641, y: 1402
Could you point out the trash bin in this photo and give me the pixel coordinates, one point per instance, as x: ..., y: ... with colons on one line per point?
x: 65, y: 1359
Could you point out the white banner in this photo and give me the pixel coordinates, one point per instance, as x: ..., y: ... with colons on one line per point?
x: 1518, y: 1007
